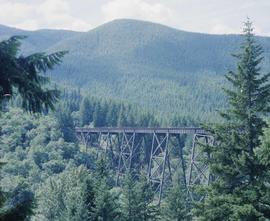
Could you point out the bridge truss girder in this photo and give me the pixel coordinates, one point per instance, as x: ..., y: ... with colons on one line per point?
x: 198, y: 173
x: 125, y: 146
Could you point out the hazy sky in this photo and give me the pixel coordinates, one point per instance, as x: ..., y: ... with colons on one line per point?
x: 211, y: 16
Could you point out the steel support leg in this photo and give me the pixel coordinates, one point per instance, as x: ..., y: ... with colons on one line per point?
x: 182, y: 161
x: 198, y: 167
x: 126, y: 154
x: 85, y: 138
x: 158, y: 163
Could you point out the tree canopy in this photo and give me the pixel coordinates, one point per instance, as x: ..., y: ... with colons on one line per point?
x: 22, y: 75
x: 240, y: 190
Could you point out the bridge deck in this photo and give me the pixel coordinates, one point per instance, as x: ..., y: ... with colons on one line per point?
x: 142, y: 130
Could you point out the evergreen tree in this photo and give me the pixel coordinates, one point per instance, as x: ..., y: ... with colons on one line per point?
x: 67, y: 196
x: 130, y: 208
x: 80, y: 204
x: 20, y: 74
x: 86, y: 112
x: 121, y: 121
x: 101, y: 170
x: 105, y: 207
x: 18, y: 205
x: 264, y: 151
x: 98, y: 115
x: 241, y: 188
x: 65, y: 122
x: 149, y: 210
x: 138, y: 199
x: 131, y: 122
x: 176, y: 206
x: 112, y: 114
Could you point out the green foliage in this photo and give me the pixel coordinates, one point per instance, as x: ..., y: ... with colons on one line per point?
x: 111, y: 113
x: 241, y: 188
x: 106, y: 206
x: 18, y: 205
x: 66, y: 122
x: 35, y: 149
x: 78, y: 194
x: 176, y: 205
x: 152, y: 66
x: 67, y: 196
x: 2, y: 196
x: 137, y: 202
x: 264, y: 151
x: 130, y: 202
x: 86, y: 112
x: 154, y: 83
x: 21, y: 74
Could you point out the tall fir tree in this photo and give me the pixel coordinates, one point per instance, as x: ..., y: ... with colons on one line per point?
x: 23, y: 75
x: 138, y: 199
x: 176, y: 205
x: 240, y: 190
x: 105, y: 206
x: 65, y: 122
x: 130, y: 205
x: 86, y: 112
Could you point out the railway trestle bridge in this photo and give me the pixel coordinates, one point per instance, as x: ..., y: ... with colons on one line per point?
x: 157, y: 151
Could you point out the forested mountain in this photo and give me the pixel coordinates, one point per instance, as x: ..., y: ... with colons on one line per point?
x: 160, y: 68
x: 46, y: 174
x: 37, y: 40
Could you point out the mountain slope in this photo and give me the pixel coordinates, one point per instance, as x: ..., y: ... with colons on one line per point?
x: 37, y: 40
x: 129, y: 42
x: 161, y: 68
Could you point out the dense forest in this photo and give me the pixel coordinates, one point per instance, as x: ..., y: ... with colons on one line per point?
x: 176, y: 72
x: 46, y: 174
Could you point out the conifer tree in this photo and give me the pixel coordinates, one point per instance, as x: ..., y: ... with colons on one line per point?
x: 176, y: 205
x: 240, y: 190
x: 264, y: 152
x: 18, y: 204
x: 149, y: 210
x: 138, y: 200
x: 111, y: 118
x: 98, y: 116
x: 22, y: 75
x: 80, y: 203
x: 105, y: 206
x: 86, y: 112
x: 121, y: 121
x: 65, y: 122
x: 130, y: 208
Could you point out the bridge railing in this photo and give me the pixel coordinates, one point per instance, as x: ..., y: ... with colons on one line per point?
x: 143, y: 130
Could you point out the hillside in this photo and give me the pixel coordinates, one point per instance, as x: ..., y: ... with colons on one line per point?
x: 37, y: 40
x: 160, y: 68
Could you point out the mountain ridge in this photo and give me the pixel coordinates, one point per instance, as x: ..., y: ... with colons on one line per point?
x: 123, y: 20
x: 161, y: 68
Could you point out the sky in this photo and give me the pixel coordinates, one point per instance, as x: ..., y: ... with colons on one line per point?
x: 207, y: 16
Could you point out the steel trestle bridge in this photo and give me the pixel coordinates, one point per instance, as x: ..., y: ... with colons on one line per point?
x: 157, y: 151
